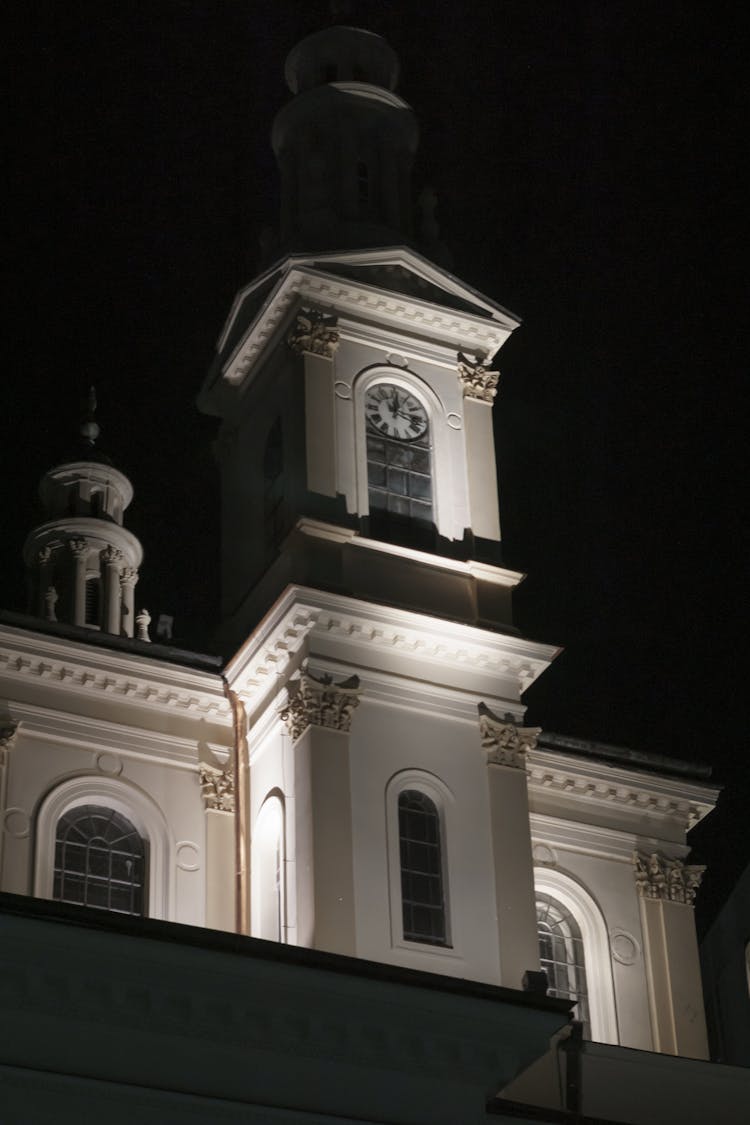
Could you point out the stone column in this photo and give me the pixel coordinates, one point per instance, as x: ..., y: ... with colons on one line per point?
x: 505, y: 745
x: 111, y: 559
x: 480, y: 387
x: 128, y: 580
x: 315, y: 337
x: 217, y: 788
x: 44, y: 579
x: 667, y: 891
x: 80, y: 550
x: 318, y: 718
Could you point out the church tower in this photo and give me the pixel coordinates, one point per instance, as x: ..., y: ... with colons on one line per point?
x: 82, y: 564
x: 379, y: 671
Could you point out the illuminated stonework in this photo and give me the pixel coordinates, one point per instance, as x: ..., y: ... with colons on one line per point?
x: 321, y: 703
x: 314, y: 331
x: 217, y: 787
x: 670, y: 880
x: 504, y: 741
x: 477, y: 379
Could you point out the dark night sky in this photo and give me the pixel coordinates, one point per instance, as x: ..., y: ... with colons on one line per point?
x: 586, y: 160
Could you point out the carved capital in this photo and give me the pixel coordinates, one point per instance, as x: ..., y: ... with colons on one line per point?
x: 8, y: 732
x: 503, y: 740
x: 670, y: 880
x: 128, y: 576
x: 44, y: 556
x: 217, y: 787
x: 321, y: 703
x: 111, y: 556
x: 477, y: 379
x: 79, y: 548
x: 314, y: 331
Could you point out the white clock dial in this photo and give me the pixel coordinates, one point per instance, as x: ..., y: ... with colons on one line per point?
x: 395, y: 413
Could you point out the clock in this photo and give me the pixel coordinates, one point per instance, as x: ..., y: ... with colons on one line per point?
x: 395, y: 413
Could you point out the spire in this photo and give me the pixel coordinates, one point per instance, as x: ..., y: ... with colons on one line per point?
x: 90, y: 428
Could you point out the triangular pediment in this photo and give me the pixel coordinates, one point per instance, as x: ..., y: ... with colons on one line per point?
x: 394, y: 287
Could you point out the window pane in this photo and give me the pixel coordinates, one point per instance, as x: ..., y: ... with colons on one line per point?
x: 100, y: 860
x: 562, y: 956
x: 421, y: 869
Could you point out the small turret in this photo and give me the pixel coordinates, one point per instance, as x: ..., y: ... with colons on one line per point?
x: 82, y: 563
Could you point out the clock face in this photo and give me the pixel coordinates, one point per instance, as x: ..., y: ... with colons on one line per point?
x: 395, y: 413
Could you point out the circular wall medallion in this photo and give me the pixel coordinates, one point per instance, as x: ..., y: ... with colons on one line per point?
x: 342, y: 390
x: 625, y: 948
x: 544, y: 855
x: 16, y: 822
x: 454, y: 420
x: 397, y: 360
x: 109, y: 763
x: 188, y: 855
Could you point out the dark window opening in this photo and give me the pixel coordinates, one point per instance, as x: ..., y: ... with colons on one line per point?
x: 363, y: 185
x: 100, y: 861
x: 92, y: 612
x: 330, y: 72
x: 422, y: 897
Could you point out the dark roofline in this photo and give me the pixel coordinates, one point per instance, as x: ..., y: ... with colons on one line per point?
x: 624, y: 756
x: 221, y: 941
x: 97, y: 638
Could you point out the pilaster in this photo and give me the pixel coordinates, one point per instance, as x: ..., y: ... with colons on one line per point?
x: 218, y: 792
x: 314, y: 336
x: 505, y: 744
x: 480, y: 387
x: 318, y: 719
x: 667, y: 890
x: 8, y: 732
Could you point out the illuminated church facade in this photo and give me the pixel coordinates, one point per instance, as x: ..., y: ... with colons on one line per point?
x: 357, y: 779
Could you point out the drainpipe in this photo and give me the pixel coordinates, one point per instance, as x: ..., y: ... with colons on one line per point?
x: 241, y: 794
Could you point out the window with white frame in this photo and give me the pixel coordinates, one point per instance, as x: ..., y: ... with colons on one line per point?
x: 100, y: 861
x: 418, y: 819
x: 102, y: 842
x: 574, y: 949
x: 561, y: 955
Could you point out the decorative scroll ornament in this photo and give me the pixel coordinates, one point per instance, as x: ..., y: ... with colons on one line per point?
x: 79, y: 547
x: 217, y: 787
x: 504, y: 741
x: 477, y: 379
x: 670, y: 880
x: 128, y: 576
x: 321, y: 703
x: 7, y: 736
x: 44, y: 556
x: 314, y: 331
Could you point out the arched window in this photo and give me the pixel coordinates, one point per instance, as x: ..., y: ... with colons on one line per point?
x: 573, y: 930
x: 267, y: 870
x: 100, y: 861
x: 562, y: 957
x: 421, y: 856
x: 274, y: 488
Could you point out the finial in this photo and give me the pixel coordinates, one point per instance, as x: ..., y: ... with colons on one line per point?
x: 90, y: 429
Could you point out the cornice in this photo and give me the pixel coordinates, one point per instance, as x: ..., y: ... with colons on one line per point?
x: 591, y: 839
x: 71, y: 667
x: 630, y: 791
x: 95, y: 532
x: 463, y: 331
x: 275, y: 649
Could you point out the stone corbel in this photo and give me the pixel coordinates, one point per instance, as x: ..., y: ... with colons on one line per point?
x: 217, y: 788
x: 504, y: 741
x: 314, y: 331
x: 321, y: 703
x: 477, y: 380
x: 670, y: 880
